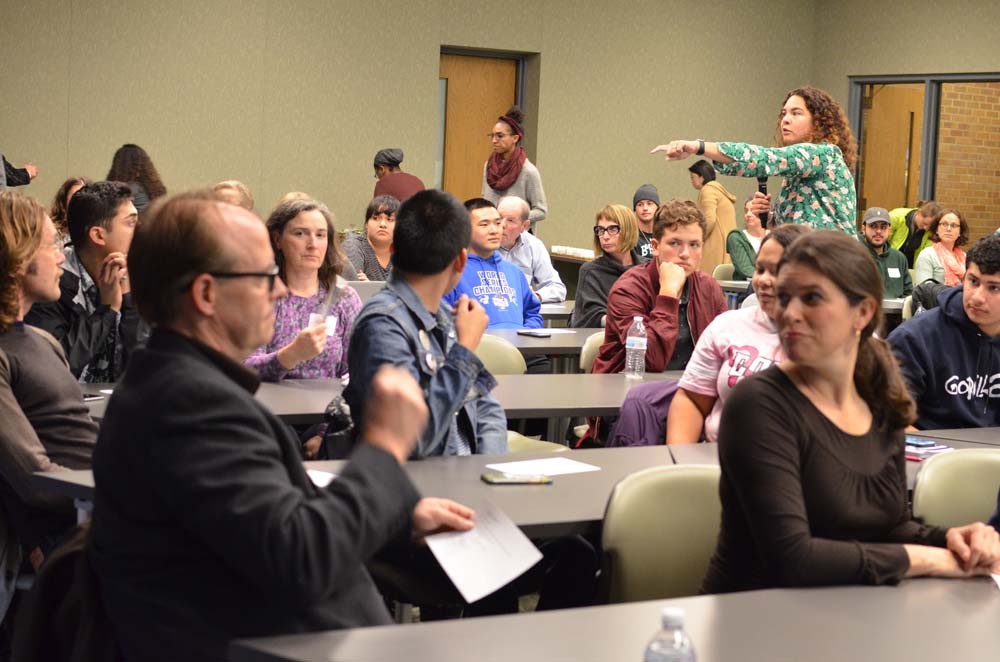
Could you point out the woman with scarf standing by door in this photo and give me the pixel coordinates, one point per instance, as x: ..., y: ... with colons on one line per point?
x: 508, y: 170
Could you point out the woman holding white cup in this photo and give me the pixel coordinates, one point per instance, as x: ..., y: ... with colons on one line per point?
x: 312, y: 323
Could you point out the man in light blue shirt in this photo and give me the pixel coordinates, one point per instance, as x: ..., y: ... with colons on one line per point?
x: 527, y: 251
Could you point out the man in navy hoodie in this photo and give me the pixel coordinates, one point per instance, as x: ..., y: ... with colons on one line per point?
x: 495, y: 283
x: 951, y: 355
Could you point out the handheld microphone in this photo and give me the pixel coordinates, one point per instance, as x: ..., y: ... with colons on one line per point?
x: 762, y: 188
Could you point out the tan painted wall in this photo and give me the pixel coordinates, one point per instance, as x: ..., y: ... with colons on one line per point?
x: 299, y: 95
x: 866, y: 37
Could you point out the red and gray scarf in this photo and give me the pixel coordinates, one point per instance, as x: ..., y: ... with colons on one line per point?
x: 501, y: 174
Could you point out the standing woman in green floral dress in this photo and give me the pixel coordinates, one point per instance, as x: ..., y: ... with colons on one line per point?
x: 815, y: 154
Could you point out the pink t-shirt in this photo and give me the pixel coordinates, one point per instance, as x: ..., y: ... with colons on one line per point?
x: 737, y: 344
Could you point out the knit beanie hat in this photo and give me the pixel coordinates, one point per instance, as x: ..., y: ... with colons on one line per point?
x: 390, y: 156
x: 646, y: 192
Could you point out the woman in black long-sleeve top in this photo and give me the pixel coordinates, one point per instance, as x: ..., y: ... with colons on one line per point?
x: 813, y: 482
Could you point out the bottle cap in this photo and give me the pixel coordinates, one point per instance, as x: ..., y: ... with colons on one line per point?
x: 672, y: 617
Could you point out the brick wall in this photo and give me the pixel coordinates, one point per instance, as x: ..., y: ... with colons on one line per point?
x: 968, y: 167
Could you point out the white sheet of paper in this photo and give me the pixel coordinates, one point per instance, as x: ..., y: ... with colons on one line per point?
x: 320, y: 478
x: 996, y: 578
x: 331, y: 322
x: 490, y: 556
x: 893, y: 272
x: 106, y: 391
x: 556, y: 466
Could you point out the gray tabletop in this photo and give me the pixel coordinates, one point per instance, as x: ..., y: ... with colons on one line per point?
x: 709, y: 454
x: 921, y: 620
x: 983, y: 436
x: 303, y: 401
x: 572, y: 504
x: 545, y: 396
x: 366, y: 289
x: 295, y: 401
x: 734, y: 285
x: 565, y: 342
x: 557, y: 311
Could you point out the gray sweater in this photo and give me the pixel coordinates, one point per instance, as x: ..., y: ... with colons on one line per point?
x: 527, y: 186
x: 46, y: 425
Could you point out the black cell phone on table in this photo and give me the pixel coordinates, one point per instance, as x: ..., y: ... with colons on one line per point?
x: 534, y: 333
x: 504, y: 478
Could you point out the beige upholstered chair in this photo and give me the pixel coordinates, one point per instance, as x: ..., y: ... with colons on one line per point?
x: 500, y: 356
x: 518, y: 443
x: 723, y: 272
x: 660, y: 529
x: 908, y: 307
x: 590, y: 349
x: 958, y: 487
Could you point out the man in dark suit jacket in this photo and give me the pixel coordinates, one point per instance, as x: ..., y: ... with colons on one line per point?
x: 206, y: 526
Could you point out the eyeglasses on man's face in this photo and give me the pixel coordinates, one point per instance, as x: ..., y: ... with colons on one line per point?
x: 610, y: 230
x: 271, y: 275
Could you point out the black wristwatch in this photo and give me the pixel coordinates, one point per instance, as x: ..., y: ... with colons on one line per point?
x: 701, y: 147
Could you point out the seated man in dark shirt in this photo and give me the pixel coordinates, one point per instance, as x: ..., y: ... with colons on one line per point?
x: 676, y: 300
x: 950, y: 355
x: 206, y: 525
x: 44, y: 424
x: 94, y: 319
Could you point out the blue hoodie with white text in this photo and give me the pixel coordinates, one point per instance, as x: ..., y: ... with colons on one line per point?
x: 503, y: 291
x: 951, y: 367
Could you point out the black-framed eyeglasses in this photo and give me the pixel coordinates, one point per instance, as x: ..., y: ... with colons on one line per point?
x: 271, y: 275
x: 610, y: 230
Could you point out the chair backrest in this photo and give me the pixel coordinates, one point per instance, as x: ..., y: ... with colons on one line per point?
x: 366, y: 289
x: 500, y: 356
x: 958, y: 487
x: 908, y: 307
x: 660, y: 529
x: 518, y: 443
x: 723, y: 272
x: 589, y: 352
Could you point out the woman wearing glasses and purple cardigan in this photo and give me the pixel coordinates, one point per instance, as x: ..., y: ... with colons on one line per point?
x: 616, y: 233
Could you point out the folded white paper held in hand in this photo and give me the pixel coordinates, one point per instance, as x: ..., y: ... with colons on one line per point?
x: 331, y: 322
x: 555, y: 466
x: 320, y: 478
x: 490, y: 556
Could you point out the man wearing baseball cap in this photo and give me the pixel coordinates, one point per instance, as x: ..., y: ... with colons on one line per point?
x: 896, y: 281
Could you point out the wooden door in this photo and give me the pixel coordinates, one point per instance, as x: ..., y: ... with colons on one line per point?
x: 893, y: 128
x: 479, y: 90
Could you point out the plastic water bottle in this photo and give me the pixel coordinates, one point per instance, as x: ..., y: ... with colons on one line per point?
x: 671, y: 644
x: 635, y: 349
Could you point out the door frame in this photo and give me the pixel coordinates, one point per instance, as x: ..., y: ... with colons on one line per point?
x: 519, y: 58
x: 932, y: 101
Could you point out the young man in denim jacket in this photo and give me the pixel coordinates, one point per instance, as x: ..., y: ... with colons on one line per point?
x: 407, y: 325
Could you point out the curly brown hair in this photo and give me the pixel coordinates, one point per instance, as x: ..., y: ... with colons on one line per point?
x: 61, y: 202
x: 131, y: 163
x: 829, y: 122
x: 21, y: 221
